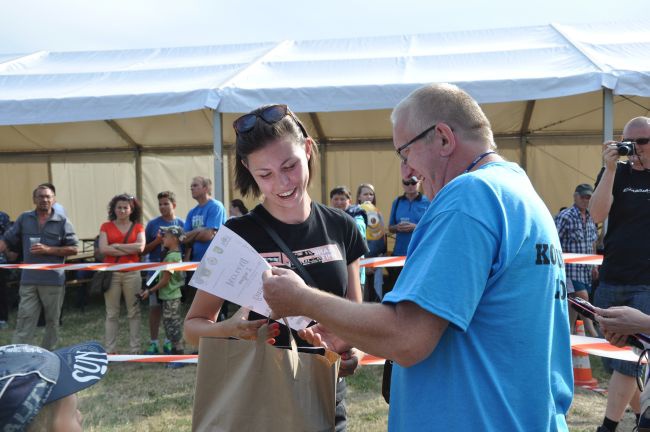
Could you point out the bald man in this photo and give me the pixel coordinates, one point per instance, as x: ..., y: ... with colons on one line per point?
x: 622, y: 195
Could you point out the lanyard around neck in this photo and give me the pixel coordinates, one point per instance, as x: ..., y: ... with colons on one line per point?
x: 477, y: 160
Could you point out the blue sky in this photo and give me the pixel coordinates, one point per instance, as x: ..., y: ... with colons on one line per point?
x: 72, y: 25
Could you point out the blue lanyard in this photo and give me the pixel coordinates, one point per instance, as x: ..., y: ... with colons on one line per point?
x: 477, y: 160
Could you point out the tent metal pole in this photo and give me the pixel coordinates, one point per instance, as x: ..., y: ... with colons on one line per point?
x: 523, y: 140
x: 217, y: 151
x: 608, y: 114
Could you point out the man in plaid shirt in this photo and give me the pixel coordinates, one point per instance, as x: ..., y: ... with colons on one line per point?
x: 578, y: 234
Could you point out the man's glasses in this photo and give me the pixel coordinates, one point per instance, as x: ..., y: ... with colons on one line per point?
x: 421, y: 135
x: 639, y: 141
x: 271, y: 115
x: 410, y: 182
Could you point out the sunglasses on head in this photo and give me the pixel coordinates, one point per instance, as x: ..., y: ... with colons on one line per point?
x: 639, y: 141
x: 271, y: 115
x: 410, y: 182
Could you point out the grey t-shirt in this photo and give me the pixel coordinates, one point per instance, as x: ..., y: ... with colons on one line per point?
x: 56, y: 231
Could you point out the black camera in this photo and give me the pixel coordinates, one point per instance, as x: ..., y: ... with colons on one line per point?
x: 625, y: 148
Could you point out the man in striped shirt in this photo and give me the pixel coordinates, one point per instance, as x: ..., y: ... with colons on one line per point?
x: 578, y: 234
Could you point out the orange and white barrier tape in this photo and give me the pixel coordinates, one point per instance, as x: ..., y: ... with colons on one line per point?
x: 126, y: 267
x: 194, y: 358
x: 391, y: 261
x: 585, y: 344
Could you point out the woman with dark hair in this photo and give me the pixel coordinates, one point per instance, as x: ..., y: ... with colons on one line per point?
x: 237, y: 208
x: 275, y: 157
x: 121, y: 240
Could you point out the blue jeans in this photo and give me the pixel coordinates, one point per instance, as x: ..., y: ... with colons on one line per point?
x: 635, y: 296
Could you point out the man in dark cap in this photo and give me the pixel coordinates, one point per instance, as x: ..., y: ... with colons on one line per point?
x: 578, y: 234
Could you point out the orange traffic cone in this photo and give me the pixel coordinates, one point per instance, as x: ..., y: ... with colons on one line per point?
x: 581, y: 367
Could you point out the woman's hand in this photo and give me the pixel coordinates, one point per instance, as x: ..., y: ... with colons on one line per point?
x: 350, y: 361
x: 622, y: 320
x: 240, y: 327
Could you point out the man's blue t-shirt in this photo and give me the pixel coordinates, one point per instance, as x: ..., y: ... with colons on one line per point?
x: 410, y: 211
x: 151, y: 231
x: 212, y: 214
x: 487, y: 258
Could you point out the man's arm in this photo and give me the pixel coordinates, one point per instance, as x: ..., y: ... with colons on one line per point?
x: 151, y: 245
x: 602, y: 199
x: 61, y: 251
x: 404, y: 332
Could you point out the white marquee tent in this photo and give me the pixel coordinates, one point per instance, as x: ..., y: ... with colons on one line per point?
x: 100, y: 123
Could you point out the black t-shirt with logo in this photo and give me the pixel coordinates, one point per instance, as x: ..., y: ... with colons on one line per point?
x: 627, y: 242
x: 325, y: 244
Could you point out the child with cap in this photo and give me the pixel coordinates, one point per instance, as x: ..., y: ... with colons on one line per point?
x: 37, y: 387
x: 168, y: 287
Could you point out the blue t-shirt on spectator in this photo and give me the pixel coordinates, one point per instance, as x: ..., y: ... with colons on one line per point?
x: 151, y: 231
x: 405, y: 210
x: 212, y: 214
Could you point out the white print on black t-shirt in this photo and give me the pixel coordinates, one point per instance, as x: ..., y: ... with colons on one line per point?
x: 315, y: 255
x: 629, y: 189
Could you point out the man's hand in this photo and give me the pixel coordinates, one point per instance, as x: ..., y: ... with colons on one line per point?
x: 406, y: 227
x: 319, y: 335
x: 39, y: 249
x: 610, y: 155
x: 284, y: 291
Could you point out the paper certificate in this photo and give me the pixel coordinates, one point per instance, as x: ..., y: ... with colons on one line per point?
x: 232, y: 269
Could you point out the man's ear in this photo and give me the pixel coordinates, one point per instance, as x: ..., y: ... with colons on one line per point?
x: 448, y: 140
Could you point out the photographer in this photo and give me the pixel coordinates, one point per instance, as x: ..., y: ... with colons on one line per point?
x: 622, y: 196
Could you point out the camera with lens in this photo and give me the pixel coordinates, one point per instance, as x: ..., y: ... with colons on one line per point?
x: 625, y: 148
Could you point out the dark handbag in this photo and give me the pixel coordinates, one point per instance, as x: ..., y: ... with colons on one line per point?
x: 104, y: 278
x: 385, y: 380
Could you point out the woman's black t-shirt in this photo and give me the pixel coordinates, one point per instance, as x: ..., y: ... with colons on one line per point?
x: 627, y: 242
x: 325, y: 243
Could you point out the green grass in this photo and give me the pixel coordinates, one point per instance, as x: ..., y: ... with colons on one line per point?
x: 149, y: 397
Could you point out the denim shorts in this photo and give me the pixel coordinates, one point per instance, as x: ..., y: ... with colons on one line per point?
x: 581, y: 286
x: 635, y: 296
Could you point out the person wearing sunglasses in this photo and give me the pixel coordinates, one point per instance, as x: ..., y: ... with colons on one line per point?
x: 622, y: 196
x: 275, y: 159
x: 484, y: 259
x: 405, y: 213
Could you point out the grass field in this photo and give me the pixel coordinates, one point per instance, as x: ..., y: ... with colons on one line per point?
x: 149, y: 397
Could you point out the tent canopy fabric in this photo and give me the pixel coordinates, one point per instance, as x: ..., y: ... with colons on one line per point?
x: 141, y: 121
x: 502, y: 65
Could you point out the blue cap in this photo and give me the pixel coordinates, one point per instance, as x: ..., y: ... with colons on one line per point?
x: 31, y: 377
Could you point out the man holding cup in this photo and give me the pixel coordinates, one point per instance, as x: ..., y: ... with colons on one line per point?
x: 405, y: 213
x: 45, y: 237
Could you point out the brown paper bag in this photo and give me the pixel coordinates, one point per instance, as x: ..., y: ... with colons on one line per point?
x: 253, y: 386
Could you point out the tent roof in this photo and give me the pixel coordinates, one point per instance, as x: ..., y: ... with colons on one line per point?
x: 514, y: 64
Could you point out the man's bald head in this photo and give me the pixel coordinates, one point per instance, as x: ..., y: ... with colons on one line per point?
x: 638, y: 127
